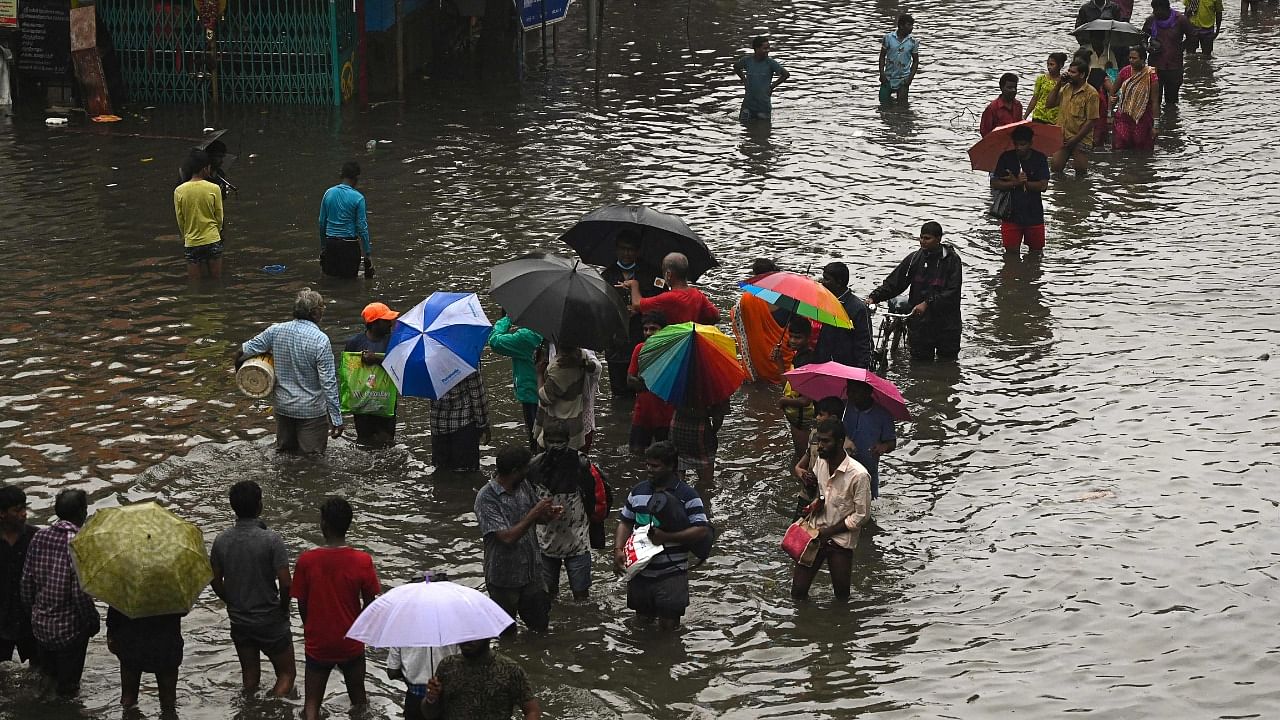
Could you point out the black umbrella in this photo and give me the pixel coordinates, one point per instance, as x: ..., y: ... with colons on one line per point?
x: 563, y: 300
x: 593, y: 237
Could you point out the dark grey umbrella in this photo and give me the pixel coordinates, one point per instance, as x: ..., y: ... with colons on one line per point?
x: 593, y: 237
x: 563, y: 300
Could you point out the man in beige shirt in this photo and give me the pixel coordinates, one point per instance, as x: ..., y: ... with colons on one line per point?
x: 842, y: 508
x: 1077, y: 104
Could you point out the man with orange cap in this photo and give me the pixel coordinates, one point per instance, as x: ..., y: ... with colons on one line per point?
x: 374, y: 430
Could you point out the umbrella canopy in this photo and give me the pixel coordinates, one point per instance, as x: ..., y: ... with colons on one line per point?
x: 141, y: 560
x: 801, y: 295
x: 593, y: 237
x: 562, y: 300
x: 1118, y: 33
x: 429, y: 614
x: 832, y: 379
x: 437, y: 344
x: 691, y: 364
x: 986, y: 152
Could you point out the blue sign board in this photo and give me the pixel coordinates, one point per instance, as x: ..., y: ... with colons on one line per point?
x: 531, y: 12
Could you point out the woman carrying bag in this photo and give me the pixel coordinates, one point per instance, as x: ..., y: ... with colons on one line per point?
x: 834, y: 519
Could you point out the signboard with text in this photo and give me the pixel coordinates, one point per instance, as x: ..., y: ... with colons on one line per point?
x: 531, y: 12
x: 8, y: 14
x: 44, y: 47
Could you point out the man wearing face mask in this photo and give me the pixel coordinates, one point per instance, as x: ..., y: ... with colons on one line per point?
x: 933, y: 275
x: 628, y: 266
x: 479, y: 684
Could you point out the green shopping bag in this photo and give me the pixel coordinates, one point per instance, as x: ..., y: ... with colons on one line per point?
x: 365, y: 389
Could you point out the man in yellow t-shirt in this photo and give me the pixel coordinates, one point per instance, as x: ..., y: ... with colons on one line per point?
x: 197, y: 203
x: 1206, y: 18
x: 1077, y: 104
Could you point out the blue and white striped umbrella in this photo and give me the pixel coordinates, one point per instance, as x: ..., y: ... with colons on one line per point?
x: 437, y: 344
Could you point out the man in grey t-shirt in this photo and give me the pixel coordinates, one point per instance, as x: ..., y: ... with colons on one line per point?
x: 251, y: 575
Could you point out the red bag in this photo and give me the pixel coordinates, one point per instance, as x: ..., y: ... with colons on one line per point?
x: 801, y: 541
x: 602, y: 497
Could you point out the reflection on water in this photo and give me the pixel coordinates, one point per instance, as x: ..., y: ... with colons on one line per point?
x: 1076, y: 520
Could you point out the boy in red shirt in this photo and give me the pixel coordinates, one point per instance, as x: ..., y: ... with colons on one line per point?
x: 333, y: 584
x: 651, y: 415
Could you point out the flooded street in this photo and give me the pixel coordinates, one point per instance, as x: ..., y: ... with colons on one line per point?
x: 1081, y: 518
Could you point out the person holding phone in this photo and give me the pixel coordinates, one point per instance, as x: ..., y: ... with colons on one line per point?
x: 681, y: 302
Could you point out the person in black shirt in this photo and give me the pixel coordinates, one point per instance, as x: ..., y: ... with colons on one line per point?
x: 374, y: 430
x: 629, y: 266
x: 16, y: 534
x: 1024, y: 173
x: 849, y: 347
x: 933, y: 275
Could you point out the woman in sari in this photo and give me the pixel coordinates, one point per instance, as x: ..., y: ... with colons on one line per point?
x: 1137, y: 104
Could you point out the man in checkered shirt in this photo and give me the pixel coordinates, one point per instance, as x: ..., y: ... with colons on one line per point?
x: 306, y: 393
x: 459, y: 424
x: 63, y: 617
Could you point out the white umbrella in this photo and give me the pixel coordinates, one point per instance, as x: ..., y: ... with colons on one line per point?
x: 429, y: 614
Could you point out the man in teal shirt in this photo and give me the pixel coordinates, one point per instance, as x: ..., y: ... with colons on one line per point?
x: 521, y: 345
x: 756, y: 71
x: 344, y: 228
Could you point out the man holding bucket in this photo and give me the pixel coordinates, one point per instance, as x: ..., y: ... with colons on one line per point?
x: 306, y: 381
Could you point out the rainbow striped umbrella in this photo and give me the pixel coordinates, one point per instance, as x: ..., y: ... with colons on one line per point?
x: 801, y: 295
x: 691, y: 364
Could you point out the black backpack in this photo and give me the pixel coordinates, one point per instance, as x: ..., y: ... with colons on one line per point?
x: 670, y: 514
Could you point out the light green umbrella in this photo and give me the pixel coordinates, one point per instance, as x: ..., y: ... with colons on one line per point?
x: 141, y: 560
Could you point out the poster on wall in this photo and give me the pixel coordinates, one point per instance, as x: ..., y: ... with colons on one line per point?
x: 8, y: 14
x: 44, y: 46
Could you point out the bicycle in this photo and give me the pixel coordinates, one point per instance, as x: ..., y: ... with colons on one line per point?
x: 892, y: 334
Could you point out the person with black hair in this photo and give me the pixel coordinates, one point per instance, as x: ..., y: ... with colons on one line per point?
x: 842, y: 507
x: 63, y: 616
x: 564, y: 476
x: 15, y: 619
x: 650, y: 415
x: 628, y: 266
x: 1167, y: 32
x: 507, y: 509
x: 849, y: 346
x: 797, y: 408
x: 1078, y: 111
x: 933, y: 275
x: 756, y: 71
x: 830, y: 407
x: 197, y: 204
x: 661, y: 590
x: 1024, y: 173
x: 344, y: 227
x: 1005, y: 109
x: 251, y: 575
x: 899, y: 60
x: 333, y: 583
x: 374, y: 431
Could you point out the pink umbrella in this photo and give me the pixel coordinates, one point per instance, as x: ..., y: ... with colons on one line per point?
x: 832, y: 378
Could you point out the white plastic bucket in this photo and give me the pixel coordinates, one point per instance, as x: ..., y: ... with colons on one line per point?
x: 257, y: 377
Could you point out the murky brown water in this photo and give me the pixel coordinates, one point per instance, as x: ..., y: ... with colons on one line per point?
x: 1082, y: 518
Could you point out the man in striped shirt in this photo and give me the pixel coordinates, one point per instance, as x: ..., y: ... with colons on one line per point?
x: 679, y: 519
x: 306, y: 393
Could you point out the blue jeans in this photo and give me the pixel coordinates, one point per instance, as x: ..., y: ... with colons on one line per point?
x: 578, y: 567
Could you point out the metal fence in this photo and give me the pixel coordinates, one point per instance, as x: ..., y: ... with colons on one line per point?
x: 268, y: 51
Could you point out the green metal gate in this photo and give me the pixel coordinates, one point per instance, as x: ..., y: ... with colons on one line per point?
x: 269, y: 51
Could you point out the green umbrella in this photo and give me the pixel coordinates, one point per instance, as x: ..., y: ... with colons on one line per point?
x: 141, y: 560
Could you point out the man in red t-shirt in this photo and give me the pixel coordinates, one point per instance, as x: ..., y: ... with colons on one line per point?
x: 1003, y: 110
x: 333, y: 583
x: 680, y: 303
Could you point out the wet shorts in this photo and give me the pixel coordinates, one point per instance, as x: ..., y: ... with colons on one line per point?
x: 270, y: 639
x: 203, y: 253
x: 326, y: 666
x: 665, y: 597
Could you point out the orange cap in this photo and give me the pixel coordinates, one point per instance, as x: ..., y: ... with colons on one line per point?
x: 378, y: 311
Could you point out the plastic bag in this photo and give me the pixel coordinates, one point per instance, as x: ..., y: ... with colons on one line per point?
x: 640, y: 550
x: 365, y: 389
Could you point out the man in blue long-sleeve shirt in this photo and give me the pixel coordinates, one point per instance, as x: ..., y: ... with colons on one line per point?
x: 344, y: 228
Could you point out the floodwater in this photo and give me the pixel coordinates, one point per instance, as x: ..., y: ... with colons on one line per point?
x: 1081, y: 519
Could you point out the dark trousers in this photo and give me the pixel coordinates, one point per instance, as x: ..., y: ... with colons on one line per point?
x: 928, y: 343
x: 530, y: 415
x: 458, y: 451
x: 375, y: 430
x: 619, y: 362
x: 1170, y: 82
x: 25, y: 645
x: 341, y: 257
x: 64, y: 666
